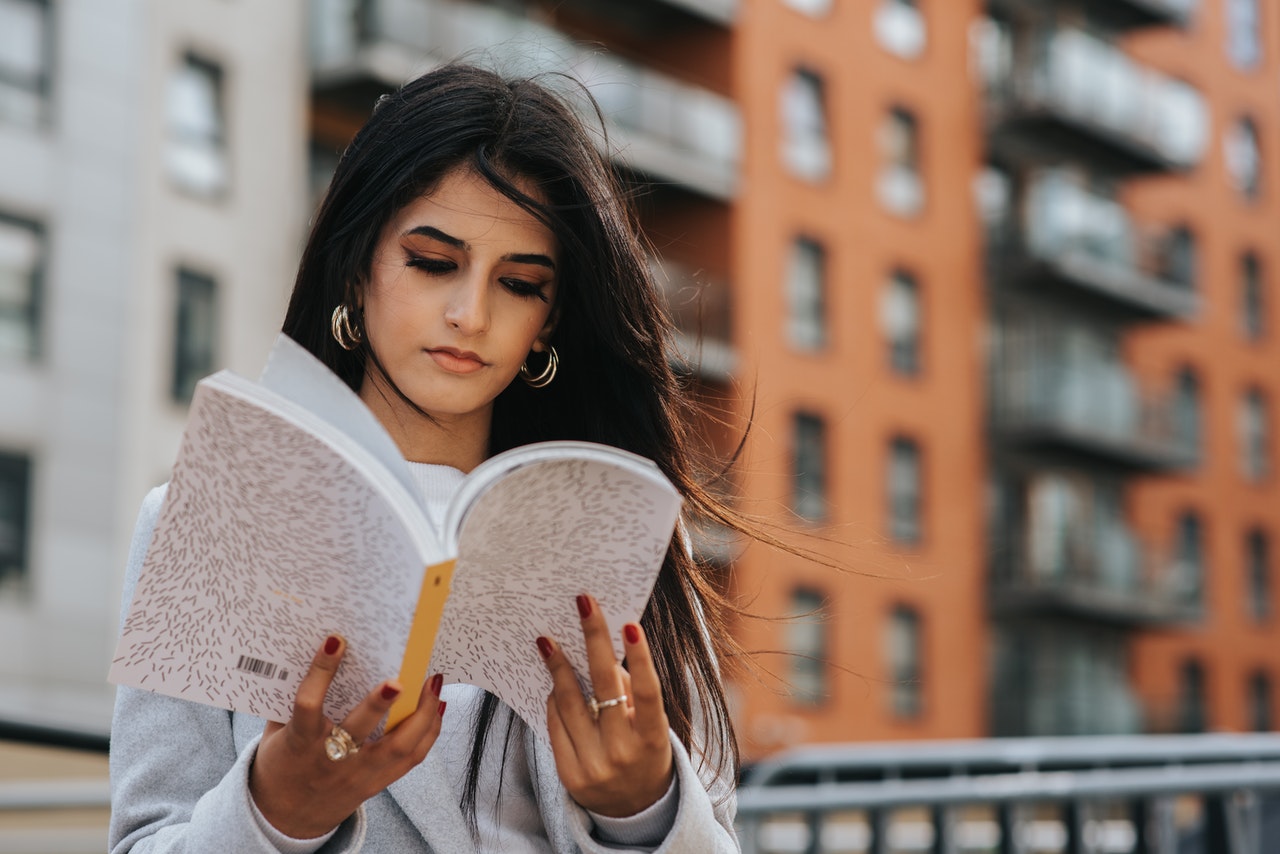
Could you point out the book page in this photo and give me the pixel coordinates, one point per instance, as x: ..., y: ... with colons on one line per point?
x: 269, y: 539
x: 528, y: 546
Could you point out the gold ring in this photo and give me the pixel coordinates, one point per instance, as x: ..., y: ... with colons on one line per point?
x: 597, y: 705
x: 339, y: 744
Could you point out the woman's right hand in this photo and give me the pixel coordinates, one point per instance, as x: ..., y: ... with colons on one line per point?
x: 299, y: 789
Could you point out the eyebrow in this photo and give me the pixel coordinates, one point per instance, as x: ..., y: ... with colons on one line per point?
x: 457, y: 243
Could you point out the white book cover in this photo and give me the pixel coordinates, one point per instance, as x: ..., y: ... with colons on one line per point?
x: 291, y: 515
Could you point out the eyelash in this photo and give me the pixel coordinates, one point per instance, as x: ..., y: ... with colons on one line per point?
x: 437, y: 267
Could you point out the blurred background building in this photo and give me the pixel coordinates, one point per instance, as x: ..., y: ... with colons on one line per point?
x: 997, y: 281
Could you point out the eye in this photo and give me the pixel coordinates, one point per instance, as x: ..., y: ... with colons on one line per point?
x: 433, y: 266
x: 525, y: 288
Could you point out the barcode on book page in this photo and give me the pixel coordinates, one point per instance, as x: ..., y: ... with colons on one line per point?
x: 258, y: 667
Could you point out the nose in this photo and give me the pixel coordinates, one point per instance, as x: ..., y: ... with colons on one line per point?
x: 468, y: 307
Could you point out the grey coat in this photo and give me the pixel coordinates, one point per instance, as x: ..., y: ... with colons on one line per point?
x: 179, y: 780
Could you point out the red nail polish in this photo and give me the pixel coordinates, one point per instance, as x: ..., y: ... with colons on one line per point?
x: 440, y: 708
x: 390, y: 692
x: 331, y: 644
x: 544, y: 648
x: 584, y: 606
x: 437, y: 682
x: 631, y: 632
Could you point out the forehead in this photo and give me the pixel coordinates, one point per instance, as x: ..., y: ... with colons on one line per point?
x: 469, y: 208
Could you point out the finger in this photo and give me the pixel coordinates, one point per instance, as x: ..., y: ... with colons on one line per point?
x: 410, y: 741
x: 308, y: 706
x: 602, y: 664
x: 363, y: 719
x: 646, y: 691
x: 562, y: 745
x: 566, y: 693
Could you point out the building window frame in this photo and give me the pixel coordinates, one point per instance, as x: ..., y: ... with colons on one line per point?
x: 901, y: 185
x: 1260, y: 701
x: 807, y: 275
x: 197, y: 146
x: 17, y: 480
x: 805, y: 120
x: 905, y: 490
x: 26, y: 92
x: 904, y: 644
x: 195, y: 331
x: 808, y: 643
x: 1253, y: 298
x: 809, y: 467
x: 1243, y: 32
x: 1254, y: 435
x: 902, y: 320
x: 1257, y: 560
x: 22, y: 291
x: 1189, y: 552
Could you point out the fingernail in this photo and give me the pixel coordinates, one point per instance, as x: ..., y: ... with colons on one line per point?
x: 440, y: 708
x: 584, y: 606
x: 390, y: 692
x: 437, y: 682
x: 544, y: 648
x: 631, y: 632
x: 331, y: 644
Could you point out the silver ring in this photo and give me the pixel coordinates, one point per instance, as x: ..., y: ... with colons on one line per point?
x: 339, y: 744
x: 597, y: 705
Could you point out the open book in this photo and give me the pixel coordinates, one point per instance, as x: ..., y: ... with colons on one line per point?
x: 292, y: 515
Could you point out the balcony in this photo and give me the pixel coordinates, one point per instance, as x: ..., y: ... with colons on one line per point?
x: 1083, y: 248
x: 659, y: 126
x: 1060, y: 392
x: 1065, y: 94
x: 1056, y: 561
x: 1121, y: 15
x: 702, y: 311
x: 720, y: 12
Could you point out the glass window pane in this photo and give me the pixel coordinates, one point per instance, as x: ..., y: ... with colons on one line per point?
x: 24, y: 61
x: 196, y: 156
x: 1258, y: 568
x: 195, y: 333
x: 1260, y: 702
x: 806, y: 642
x: 15, y: 515
x: 1244, y: 43
x: 1243, y: 155
x: 1188, y: 571
x: 809, y: 499
x: 1252, y: 299
x: 1253, y: 436
x: 1192, y: 715
x: 1186, y: 413
x: 806, y: 151
x: 805, y: 295
x: 899, y: 185
x: 900, y: 320
x: 21, y: 261
x: 904, y: 491
x: 904, y: 662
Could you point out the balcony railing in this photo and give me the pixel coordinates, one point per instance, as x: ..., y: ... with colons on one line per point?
x: 1123, y: 15
x: 1086, y: 248
x: 1099, y: 572
x: 1054, y: 400
x: 1068, y: 93
x: 661, y: 126
x: 702, y: 311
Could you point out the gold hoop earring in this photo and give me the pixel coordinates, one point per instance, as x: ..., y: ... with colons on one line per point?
x: 347, y: 336
x: 543, y: 379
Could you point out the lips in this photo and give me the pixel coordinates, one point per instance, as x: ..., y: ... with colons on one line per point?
x: 456, y: 361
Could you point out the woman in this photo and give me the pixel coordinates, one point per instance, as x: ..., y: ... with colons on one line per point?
x: 473, y: 275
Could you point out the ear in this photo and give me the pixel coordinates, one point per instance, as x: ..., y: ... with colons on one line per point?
x: 543, y: 341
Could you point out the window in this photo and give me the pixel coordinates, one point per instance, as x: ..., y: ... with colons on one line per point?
x: 195, y: 333
x: 1255, y: 463
x: 196, y: 155
x: 1260, y: 702
x: 904, y: 490
x: 1186, y: 413
x: 1257, y: 556
x: 1253, y: 304
x: 807, y: 645
x: 900, y: 28
x: 809, y: 475
x: 812, y: 8
x: 904, y: 662
x: 900, y: 188
x: 26, y: 62
x: 1244, y: 43
x: 1179, y: 262
x: 15, y: 519
x: 900, y: 320
x: 806, y: 308
x: 1188, y: 569
x: 21, y: 272
x: 1191, y: 715
x: 1243, y: 155
x: 806, y: 151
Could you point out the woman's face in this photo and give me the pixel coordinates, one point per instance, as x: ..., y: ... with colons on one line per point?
x: 460, y: 291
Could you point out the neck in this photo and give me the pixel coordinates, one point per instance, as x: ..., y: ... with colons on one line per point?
x: 458, y: 441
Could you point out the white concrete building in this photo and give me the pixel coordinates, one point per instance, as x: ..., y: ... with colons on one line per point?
x: 153, y: 199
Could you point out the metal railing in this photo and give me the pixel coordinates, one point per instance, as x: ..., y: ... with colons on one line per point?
x: 1215, y: 794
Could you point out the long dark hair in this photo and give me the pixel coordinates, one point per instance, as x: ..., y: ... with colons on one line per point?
x: 615, y: 384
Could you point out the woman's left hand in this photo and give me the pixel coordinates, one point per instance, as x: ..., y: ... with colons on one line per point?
x: 618, y: 762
